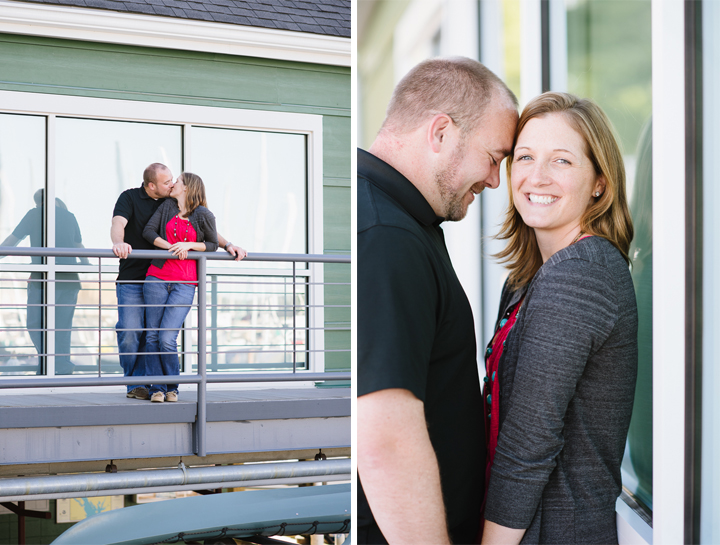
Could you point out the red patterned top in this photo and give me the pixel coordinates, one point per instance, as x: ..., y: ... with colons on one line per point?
x: 176, y: 270
x: 491, y: 389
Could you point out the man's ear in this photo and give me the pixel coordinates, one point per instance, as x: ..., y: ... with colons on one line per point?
x: 438, y: 131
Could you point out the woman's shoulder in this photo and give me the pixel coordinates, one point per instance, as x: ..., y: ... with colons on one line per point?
x: 203, y: 212
x: 591, y: 265
x: 590, y: 253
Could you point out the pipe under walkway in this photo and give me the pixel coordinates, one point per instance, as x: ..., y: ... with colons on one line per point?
x: 180, y: 478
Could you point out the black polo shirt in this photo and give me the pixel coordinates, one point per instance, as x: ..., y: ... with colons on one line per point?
x: 136, y: 206
x: 416, y: 331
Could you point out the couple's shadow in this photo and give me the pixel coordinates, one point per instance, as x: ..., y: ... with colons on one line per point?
x: 67, y: 284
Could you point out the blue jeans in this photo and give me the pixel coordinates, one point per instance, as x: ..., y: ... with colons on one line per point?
x: 132, y: 317
x: 177, y: 299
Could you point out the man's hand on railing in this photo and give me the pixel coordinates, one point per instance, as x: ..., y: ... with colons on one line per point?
x: 122, y: 249
x: 236, y: 251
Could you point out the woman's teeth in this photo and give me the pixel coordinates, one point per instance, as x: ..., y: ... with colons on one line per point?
x: 542, y: 199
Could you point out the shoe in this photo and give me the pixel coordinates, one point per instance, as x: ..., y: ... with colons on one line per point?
x: 158, y: 397
x: 138, y: 393
x: 171, y: 396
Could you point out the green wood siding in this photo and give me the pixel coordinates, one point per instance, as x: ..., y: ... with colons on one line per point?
x: 68, y: 67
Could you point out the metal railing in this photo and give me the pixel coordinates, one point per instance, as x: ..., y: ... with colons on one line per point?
x: 201, y: 378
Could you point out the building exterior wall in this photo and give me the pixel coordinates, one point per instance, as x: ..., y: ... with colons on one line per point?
x: 90, y: 69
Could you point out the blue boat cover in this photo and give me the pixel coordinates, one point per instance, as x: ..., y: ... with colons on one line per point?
x: 281, y: 511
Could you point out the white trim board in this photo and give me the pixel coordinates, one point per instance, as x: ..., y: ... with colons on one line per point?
x: 96, y: 25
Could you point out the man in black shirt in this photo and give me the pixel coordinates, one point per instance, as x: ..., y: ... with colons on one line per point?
x: 132, y: 211
x: 420, y: 429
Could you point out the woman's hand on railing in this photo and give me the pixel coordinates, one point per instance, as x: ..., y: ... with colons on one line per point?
x: 181, y: 249
x: 236, y: 251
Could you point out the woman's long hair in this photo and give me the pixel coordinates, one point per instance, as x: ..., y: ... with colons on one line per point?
x: 608, y: 216
x: 195, y: 191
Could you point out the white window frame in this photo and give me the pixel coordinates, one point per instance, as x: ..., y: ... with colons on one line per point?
x: 186, y: 116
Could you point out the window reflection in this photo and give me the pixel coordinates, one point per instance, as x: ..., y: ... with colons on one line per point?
x: 97, y: 160
x: 250, y: 323
x: 256, y: 187
x: 22, y: 174
x: 18, y: 355
x: 609, y: 60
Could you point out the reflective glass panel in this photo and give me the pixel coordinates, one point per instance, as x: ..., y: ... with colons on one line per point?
x: 256, y: 187
x: 609, y: 60
x: 98, y: 160
x: 22, y: 179
x: 710, y: 466
x: 250, y: 324
x: 21, y: 323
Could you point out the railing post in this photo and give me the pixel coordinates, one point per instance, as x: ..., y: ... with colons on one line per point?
x: 214, y: 322
x: 99, y: 316
x: 294, y: 326
x: 202, y: 355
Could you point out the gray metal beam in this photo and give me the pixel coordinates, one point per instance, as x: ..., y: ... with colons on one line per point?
x: 20, y: 488
x: 80, y: 443
x: 163, y: 254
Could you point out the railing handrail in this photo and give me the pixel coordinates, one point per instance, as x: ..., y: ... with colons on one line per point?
x: 164, y: 254
x: 201, y: 378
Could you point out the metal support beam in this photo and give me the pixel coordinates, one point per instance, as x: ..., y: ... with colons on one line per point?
x: 182, y: 478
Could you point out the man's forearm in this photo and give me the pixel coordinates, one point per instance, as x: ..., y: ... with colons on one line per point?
x: 399, y: 470
x: 117, y: 233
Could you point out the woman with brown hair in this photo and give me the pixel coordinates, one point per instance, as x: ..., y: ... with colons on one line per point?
x: 181, y: 224
x: 562, y: 365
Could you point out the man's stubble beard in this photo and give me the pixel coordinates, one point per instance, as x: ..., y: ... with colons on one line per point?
x: 444, y: 179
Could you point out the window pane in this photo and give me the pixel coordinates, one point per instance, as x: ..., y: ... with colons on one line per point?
x: 710, y: 499
x: 98, y: 160
x: 22, y: 178
x: 609, y: 60
x: 250, y: 324
x: 256, y: 187
x: 21, y: 295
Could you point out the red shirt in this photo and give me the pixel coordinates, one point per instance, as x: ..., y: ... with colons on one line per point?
x: 491, y: 392
x: 176, y: 270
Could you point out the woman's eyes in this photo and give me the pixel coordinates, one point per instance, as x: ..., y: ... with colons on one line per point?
x: 529, y: 158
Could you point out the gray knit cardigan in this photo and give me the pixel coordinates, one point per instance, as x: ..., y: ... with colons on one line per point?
x: 567, y: 383
x: 201, y: 219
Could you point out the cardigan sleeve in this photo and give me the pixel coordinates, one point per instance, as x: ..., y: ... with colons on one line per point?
x: 209, y: 230
x: 153, y: 229
x: 570, y: 311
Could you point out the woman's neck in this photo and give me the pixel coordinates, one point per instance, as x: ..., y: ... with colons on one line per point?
x: 182, y: 206
x: 551, y: 243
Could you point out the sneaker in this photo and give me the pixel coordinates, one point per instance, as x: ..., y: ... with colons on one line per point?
x: 158, y: 397
x: 171, y: 396
x: 138, y: 393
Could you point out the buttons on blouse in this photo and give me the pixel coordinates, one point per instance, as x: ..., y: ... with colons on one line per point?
x: 489, y: 399
x: 488, y: 351
x: 485, y: 379
x: 493, y: 375
x: 503, y: 322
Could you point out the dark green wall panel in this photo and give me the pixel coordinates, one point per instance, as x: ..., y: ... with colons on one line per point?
x: 337, y: 150
x: 336, y: 204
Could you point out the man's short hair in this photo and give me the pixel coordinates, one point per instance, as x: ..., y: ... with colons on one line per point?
x: 457, y: 86
x: 151, y: 172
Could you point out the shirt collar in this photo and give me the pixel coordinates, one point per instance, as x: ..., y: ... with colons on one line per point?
x: 397, y: 186
x: 143, y: 193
